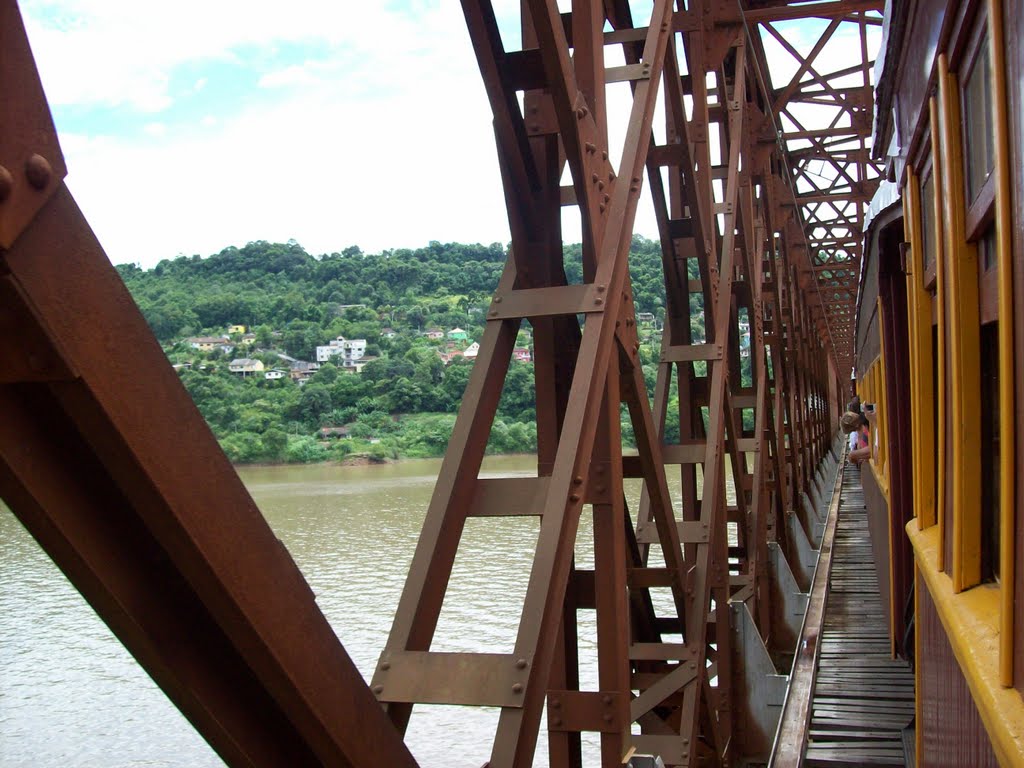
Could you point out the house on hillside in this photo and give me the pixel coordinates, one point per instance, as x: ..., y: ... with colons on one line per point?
x: 448, y: 355
x: 211, y: 343
x: 248, y: 339
x: 472, y: 351
x: 333, y: 433
x: 388, y: 333
x: 274, y: 374
x: 300, y: 370
x: 245, y: 366
x: 236, y: 329
x: 457, y: 334
x: 434, y: 334
x: 348, y: 350
x: 645, y: 318
x: 521, y: 354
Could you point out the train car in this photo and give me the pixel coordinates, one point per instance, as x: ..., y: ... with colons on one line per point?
x: 940, y: 353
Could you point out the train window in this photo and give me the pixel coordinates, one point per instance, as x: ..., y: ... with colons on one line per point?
x: 988, y: 277
x: 928, y: 223
x: 990, y: 452
x: 979, y: 132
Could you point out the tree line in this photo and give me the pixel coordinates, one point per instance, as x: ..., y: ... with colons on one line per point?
x: 404, y: 400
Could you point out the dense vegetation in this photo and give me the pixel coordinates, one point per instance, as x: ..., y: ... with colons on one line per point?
x: 403, y: 402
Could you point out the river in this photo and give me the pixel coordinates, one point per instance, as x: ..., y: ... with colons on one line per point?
x: 71, y: 696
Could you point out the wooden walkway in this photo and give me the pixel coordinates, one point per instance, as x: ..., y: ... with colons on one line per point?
x: 863, y: 698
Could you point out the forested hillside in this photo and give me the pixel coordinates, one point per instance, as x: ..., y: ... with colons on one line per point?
x: 404, y: 399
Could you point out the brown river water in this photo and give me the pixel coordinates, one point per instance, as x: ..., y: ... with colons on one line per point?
x: 71, y: 696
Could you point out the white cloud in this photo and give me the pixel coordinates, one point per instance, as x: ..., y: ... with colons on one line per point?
x: 381, y: 138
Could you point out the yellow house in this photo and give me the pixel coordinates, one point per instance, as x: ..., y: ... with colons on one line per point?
x: 236, y: 329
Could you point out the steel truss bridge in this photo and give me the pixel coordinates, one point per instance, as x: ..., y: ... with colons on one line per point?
x: 749, y: 124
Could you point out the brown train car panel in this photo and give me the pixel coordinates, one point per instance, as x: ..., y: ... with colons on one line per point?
x: 969, y: 549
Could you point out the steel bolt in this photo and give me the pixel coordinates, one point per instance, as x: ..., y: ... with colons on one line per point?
x: 38, y: 171
x: 594, y: 177
x: 607, y: 717
x: 521, y: 664
x: 385, y: 665
x: 578, y: 480
x: 574, y: 497
x: 600, y: 489
x: 601, y: 288
x: 556, y: 703
x: 606, y: 700
x: 599, y: 300
x: 517, y: 688
x: 6, y: 183
x: 378, y: 689
x: 556, y: 721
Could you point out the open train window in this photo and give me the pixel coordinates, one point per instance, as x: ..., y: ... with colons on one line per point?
x: 990, y: 452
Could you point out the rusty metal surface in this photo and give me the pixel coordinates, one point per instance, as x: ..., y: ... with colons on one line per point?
x: 734, y: 217
x: 31, y: 162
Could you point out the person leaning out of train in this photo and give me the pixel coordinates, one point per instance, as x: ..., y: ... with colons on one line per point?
x: 864, y: 451
x: 856, y: 426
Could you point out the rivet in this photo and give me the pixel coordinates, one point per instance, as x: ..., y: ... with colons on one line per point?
x: 38, y: 171
x: 594, y: 177
x: 634, y: 188
x: 582, y: 112
x: 494, y: 312
x: 497, y: 299
x: 556, y: 703
x: 385, y: 665
x: 6, y: 183
x: 607, y: 717
x: 600, y: 489
x: 600, y: 208
x: 611, y: 174
x: 606, y: 700
x: 600, y: 184
x: 556, y: 721
x: 599, y: 300
x: 517, y: 688
x: 521, y: 664
x: 574, y: 497
x: 604, y: 156
x: 589, y: 146
x: 577, y: 480
x: 378, y: 688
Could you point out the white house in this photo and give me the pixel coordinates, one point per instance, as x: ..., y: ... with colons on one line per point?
x: 471, y: 351
x: 274, y: 374
x: 349, y: 350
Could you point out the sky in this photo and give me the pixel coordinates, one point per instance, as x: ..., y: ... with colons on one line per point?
x: 196, y: 125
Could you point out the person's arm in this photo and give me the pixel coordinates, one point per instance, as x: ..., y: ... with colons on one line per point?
x: 860, y: 454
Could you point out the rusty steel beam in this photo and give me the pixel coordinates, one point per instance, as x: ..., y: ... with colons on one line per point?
x: 109, y: 465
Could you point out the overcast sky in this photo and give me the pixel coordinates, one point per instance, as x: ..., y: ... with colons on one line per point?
x: 199, y: 124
